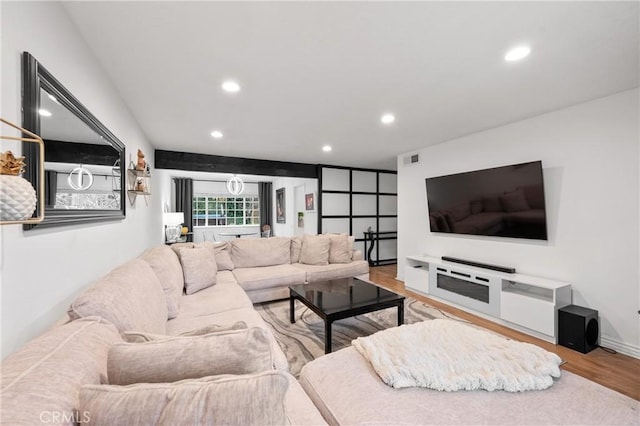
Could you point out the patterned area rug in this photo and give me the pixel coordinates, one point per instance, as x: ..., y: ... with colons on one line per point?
x: 303, y: 341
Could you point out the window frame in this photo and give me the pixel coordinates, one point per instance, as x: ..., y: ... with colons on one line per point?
x: 249, y: 210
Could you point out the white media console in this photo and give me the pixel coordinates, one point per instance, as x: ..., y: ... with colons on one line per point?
x: 526, y: 303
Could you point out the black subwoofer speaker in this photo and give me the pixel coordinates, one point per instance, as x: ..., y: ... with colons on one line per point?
x: 578, y: 328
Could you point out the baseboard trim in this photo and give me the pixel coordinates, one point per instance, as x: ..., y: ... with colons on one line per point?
x: 620, y: 347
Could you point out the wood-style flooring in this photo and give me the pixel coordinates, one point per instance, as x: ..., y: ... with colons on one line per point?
x: 615, y: 371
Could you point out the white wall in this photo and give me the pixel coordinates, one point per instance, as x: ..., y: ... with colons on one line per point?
x: 590, y: 156
x: 290, y: 228
x: 43, y: 270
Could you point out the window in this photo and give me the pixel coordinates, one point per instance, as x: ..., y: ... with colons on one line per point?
x: 213, y: 210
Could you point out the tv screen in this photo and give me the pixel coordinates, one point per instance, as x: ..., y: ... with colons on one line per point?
x: 500, y: 202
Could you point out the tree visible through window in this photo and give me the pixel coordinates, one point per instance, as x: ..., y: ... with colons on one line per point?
x: 213, y: 210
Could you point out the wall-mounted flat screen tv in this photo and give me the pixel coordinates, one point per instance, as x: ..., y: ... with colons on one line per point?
x: 499, y: 202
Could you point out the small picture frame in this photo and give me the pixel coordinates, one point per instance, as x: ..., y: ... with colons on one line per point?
x: 281, y: 210
x: 310, y: 202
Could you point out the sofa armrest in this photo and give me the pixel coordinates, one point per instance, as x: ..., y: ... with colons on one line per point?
x: 357, y: 255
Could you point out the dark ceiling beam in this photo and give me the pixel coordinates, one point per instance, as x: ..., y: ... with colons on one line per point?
x: 175, y: 160
x: 79, y: 153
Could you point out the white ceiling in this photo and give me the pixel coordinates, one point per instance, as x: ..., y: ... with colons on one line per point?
x: 315, y: 73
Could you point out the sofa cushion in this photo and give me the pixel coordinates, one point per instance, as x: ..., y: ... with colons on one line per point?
x: 268, y: 276
x: 315, y: 273
x: 353, y: 392
x: 167, y: 267
x: 491, y: 204
x: 176, y: 358
x: 177, y: 246
x: 315, y: 250
x: 248, y: 315
x: 251, y: 252
x: 460, y: 211
x: 130, y: 297
x: 296, y: 246
x: 479, y: 223
x: 256, y: 399
x: 300, y: 408
x: 534, y: 195
x: 45, y: 375
x: 514, y: 201
x: 140, y: 337
x: 199, y: 268
x: 476, y: 206
x: 339, y: 248
x: 224, y: 296
x: 221, y: 252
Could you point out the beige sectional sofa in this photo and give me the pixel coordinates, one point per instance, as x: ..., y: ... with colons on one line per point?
x: 42, y: 382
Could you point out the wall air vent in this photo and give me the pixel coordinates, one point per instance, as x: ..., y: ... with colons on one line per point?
x: 411, y: 159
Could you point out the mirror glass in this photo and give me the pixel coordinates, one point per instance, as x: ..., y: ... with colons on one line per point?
x: 81, y: 168
x: 84, y: 161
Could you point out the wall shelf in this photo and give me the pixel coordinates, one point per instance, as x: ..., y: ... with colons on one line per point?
x: 138, y: 179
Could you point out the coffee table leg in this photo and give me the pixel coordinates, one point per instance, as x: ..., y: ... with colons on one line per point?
x: 292, y: 304
x: 327, y: 336
x: 401, y: 312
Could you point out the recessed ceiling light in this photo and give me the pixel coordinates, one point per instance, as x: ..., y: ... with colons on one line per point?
x: 44, y: 112
x: 517, y: 53
x: 216, y: 134
x: 327, y: 148
x: 231, y: 86
x: 388, y: 118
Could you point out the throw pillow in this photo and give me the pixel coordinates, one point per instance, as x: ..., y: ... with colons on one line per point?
x: 460, y: 211
x: 257, y: 399
x: 296, y: 246
x: 339, y: 249
x: 199, y: 268
x: 476, y: 206
x: 167, y: 267
x: 221, y: 252
x: 491, y: 204
x: 179, y: 246
x: 441, y: 221
x: 433, y: 223
x: 315, y: 250
x: 177, y: 358
x: 142, y: 337
x: 514, y: 201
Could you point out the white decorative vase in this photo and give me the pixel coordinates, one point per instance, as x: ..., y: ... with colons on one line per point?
x: 17, y: 198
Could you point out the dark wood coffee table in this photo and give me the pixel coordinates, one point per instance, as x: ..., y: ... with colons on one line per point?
x: 338, y: 299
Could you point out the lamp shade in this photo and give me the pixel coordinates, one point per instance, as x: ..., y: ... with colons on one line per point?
x: 173, y: 219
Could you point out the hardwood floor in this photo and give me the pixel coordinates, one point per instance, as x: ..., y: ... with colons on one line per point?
x: 615, y: 371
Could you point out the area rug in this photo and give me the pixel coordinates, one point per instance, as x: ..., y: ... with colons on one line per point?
x: 303, y: 341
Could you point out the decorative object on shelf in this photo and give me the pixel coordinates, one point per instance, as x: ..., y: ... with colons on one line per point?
x: 139, y: 175
x: 266, y: 231
x: 18, y: 198
x: 310, y: 202
x: 281, y: 212
x: 235, y: 185
x: 173, y: 225
x: 141, y: 165
x: 77, y: 181
x: 300, y: 219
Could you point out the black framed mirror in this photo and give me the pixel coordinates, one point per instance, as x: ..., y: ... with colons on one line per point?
x: 84, y: 162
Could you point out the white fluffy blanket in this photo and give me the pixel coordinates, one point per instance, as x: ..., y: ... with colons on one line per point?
x: 448, y: 355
